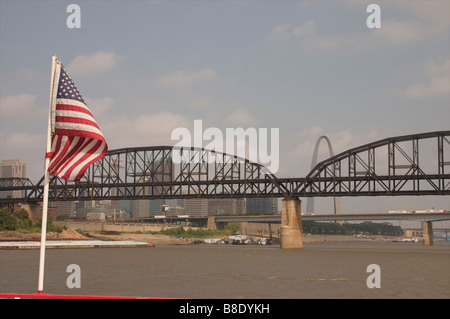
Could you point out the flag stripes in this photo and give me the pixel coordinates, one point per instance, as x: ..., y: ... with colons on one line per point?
x: 77, y: 141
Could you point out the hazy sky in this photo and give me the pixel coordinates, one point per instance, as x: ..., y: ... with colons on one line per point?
x: 309, y: 68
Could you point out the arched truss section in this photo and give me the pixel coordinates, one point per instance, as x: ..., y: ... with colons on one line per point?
x: 165, y: 172
x: 416, y: 164
x: 406, y: 165
x: 310, y: 202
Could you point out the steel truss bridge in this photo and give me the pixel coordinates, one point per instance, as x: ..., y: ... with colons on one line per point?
x: 417, y: 164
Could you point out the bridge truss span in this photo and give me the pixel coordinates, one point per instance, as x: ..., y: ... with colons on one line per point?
x: 416, y: 164
x: 162, y: 172
x: 407, y: 165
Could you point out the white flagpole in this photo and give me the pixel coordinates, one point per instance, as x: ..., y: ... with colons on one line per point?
x: 47, y: 177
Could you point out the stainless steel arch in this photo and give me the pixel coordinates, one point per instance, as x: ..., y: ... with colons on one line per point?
x: 310, y: 202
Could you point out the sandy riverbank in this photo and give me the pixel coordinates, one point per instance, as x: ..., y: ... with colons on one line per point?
x: 167, y: 240
x: 70, y: 234
x: 153, y: 239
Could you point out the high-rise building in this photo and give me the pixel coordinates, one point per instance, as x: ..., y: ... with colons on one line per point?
x: 228, y: 206
x: 12, y: 168
x: 158, y: 169
x: 83, y: 208
x: 87, y: 209
x: 196, y: 207
x: 66, y: 208
x: 262, y: 206
x: 155, y: 207
x: 140, y: 208
x: 203, y: 207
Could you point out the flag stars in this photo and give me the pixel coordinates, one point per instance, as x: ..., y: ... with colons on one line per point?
x: 67, y: 88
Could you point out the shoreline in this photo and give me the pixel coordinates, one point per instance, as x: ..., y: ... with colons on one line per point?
x: 152, y: 240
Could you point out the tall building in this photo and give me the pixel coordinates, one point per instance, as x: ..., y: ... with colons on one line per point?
x: 155, y: 207
x: 12, y: 168
x: 203, y: 207
x: 196, y: 207
x: 158, y: 169
x: 63, y: 208
x: 140, y: 208
x: 173, y: 207
x: 262, y: 206
x: 85, y: 209
x: 228, y: 206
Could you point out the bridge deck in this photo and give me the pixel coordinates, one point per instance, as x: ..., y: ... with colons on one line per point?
x: 338, y: 217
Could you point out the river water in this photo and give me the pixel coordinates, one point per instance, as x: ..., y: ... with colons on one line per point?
x: 319, y: 270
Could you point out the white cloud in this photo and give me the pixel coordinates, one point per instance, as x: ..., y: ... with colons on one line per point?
x: 100, y: 106
x: 437, y: 83
x: 29, y: 147
x: 399, y: 32
x: 18, y: 115
x: 23, y: 105
x: 20, y: 144
x: 23, y: 77
x: 435, y: 12
x: 182, y: 78
x: 241, y: 118
x: 311, y: 41
x: 86, y: 65
x: 423, y: 21
x: 280, y: 34
x: 143, y: 130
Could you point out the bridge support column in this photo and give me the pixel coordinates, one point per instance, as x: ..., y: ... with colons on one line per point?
x: 211, y: 224
x: 427, y: 228
x: 291, y: 224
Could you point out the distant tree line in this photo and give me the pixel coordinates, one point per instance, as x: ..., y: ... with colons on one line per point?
x: 20, y: 220
x: 351, y: 229
x: 17, y: 220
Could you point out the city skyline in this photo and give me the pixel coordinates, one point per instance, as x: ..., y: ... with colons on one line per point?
x: 307, y: 68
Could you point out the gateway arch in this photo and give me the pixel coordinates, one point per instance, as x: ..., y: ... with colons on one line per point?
x: 310, y: 202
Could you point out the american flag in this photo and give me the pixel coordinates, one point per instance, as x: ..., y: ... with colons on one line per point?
x: 77, y: 141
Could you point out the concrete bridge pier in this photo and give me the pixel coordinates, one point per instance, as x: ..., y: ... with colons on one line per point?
x: 291, y: 224
x: 34, y: 211
x: 211, y: 224
x: 427, y: 228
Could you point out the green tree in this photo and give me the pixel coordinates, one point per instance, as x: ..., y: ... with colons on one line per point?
x: 22, y: 214
x: 8, y: 221
x: 50, y: 226
x: 232, y: 228
x: 24, y: 221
